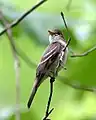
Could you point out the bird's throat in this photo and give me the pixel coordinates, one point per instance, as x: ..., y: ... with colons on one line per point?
x: 50, y: 39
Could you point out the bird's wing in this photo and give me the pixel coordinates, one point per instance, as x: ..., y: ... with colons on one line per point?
x: 48, y: 58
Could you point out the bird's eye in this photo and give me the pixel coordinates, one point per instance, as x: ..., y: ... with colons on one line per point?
x: 58, y: 33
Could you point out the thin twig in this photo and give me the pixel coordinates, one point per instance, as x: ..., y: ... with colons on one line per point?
x: 74, y: 54
x: 67, y: 44
x: 17, y: 48
x: 62, y: 15
x: 49, y: 101
x: 85, y: 53
x: 77, y: 86
x: 80, y: 87
x: 17, y: 21
x: 16, y: 64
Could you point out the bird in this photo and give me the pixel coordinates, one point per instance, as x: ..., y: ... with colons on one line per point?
x: 52, y: 61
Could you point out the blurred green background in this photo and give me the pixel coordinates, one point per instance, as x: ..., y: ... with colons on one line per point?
x: 32, y: 37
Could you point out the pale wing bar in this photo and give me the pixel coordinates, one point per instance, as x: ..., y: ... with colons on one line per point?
x: 48, y: 55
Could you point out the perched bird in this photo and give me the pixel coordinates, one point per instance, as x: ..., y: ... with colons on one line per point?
x: 52, y: 61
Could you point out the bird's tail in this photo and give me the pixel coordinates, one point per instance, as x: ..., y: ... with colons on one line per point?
x: 34, y: 90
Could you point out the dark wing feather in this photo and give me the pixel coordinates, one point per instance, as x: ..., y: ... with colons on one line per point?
x: 48, y: 58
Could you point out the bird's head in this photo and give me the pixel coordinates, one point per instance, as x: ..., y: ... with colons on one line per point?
x: 55, y: 35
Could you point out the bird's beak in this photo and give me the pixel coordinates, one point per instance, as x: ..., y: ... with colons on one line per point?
x: 50, y: 32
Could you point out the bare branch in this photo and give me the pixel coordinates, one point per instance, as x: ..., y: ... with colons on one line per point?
x: 49, y: 101
x: 17, y: 21
x: 85, y: 53
x: 16, y: 64
x: 17, y: 48
x: 67, y: 44
x: 62, y: 15
x: 74, y: 54
x: 77, y: 86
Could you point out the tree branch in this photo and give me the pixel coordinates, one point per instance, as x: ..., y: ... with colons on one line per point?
x: 16, y: 64
x: 17, y: 21
x: 49, y: 101
x: 62, y: 15
x: 17, y: 49
x: 74, y: 54
x: 85, y: 53
x: 77, y: 86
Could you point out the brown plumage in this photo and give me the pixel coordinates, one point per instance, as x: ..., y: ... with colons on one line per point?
x: 50, y: 63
